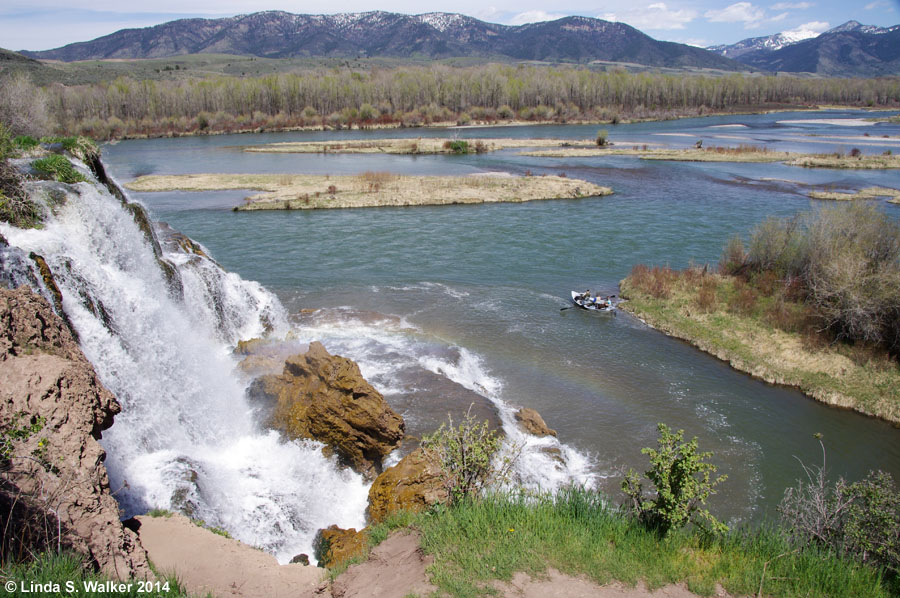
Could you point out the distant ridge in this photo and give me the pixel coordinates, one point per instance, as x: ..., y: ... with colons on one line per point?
x: 278, y: 34
x: 849, y: 50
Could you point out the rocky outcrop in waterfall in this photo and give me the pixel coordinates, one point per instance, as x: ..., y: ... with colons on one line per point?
x: 324, y: 397
x: 413, y: 484
x: 532, y: 422
x: 54, y: 488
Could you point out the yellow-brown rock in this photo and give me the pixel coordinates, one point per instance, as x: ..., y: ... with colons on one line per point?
x: 532, y: 422
x: 413, y: 484
x: 334, y: 545
x: 324, y: 397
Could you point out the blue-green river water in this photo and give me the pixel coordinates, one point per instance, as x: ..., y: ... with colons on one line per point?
x: 437, y: 303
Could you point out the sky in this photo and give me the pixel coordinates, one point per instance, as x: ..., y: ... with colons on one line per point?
x: 45, y: 24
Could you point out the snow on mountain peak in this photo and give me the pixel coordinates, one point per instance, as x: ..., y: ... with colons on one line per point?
x: 442, y: 21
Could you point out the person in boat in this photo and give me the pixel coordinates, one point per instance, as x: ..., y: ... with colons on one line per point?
x: 586, y: 296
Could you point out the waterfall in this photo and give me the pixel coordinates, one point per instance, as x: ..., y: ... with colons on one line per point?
x: 161, y: 341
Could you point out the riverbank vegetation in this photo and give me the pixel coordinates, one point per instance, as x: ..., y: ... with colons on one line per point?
x: 425, y: 95
x: 371, y: 189
x: 813, y: 302
x: 839, y: 540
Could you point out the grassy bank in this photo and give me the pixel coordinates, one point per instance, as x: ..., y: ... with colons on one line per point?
x: 421, y: 145
x: 892, y: 195
x: 726, y: 318
x: 48, y: 574
x: 371, y: 189
x: 578, y: 533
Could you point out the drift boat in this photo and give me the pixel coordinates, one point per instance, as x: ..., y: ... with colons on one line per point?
x: 593, y: 303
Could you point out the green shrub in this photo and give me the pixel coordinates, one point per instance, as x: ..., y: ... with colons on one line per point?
x: 682, y: 481
x: 464, y: 455
x: 459, y: 146
x: 59, y: 168
x: 860, y: 520
x: 872, y: 527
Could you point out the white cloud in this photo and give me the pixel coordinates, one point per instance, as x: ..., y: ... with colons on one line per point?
x: 778, y: 18
x: 807, y: 30
x: 877, y: 4
x: 792, y: 6
x: 656, y: 16
x: 534, y: 16
x: 739, y: 12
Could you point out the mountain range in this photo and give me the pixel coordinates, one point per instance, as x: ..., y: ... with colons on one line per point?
x: 849, y: 50
x: 277, y: 34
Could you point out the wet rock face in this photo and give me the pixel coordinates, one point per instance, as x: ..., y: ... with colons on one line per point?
x: 413, y: 484
x: 324, y: 397
x: 52, y: 412
x: 532, y: 422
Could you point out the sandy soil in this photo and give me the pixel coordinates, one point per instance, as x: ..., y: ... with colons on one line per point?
x: 556, y: 584
x: 421, y: 145
x: 300, y: 192
x: 207, y: 563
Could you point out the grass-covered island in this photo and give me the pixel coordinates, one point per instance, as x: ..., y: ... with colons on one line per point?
x: 370, y: 189
x: 814, y: 302
x: 742, y: 153
x: 412, y: 146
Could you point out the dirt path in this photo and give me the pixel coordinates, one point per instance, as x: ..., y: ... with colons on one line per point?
x: 205, y: 562
x: 208, y: 563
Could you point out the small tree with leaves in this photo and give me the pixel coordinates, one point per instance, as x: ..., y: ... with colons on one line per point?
x: 682, y: 480
x: 467, y: 457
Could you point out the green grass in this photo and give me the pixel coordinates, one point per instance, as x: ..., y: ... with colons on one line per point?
x: 578, y: 533
x: 865, y: 380
x: 51, y: 568
x: 58, y: 168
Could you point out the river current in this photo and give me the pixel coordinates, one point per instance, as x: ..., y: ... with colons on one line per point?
x: 436, y: 303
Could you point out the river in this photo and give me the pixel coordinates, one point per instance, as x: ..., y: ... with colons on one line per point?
x: 433, y: 301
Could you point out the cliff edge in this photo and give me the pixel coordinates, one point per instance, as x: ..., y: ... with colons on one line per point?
x: 54, y: 488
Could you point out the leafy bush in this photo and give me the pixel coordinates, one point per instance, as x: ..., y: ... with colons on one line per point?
x: 860, y: 520
x: 458, y: 146
x: 58, y: 168
x: 872, y: 527
x: 682, y: 481
x: 465, y: 456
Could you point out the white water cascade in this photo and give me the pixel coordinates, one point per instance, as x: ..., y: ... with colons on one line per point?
x: 186, y: 438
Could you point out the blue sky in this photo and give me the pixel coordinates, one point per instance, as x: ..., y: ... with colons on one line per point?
x: 44, y: 24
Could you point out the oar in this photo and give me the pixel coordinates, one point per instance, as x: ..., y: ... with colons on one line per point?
x: 565, y: 308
